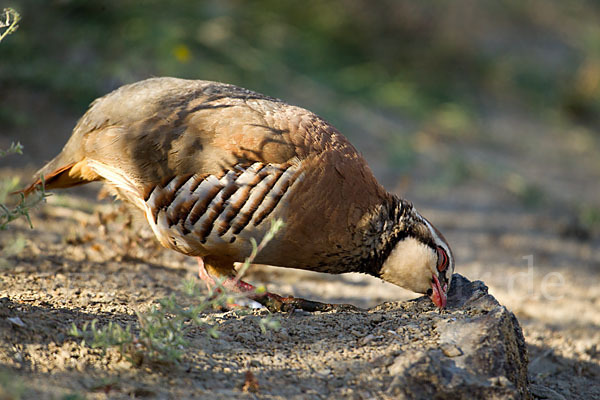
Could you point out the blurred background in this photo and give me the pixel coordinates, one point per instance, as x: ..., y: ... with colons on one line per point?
x: 461, y: 103
x: 485, y: 114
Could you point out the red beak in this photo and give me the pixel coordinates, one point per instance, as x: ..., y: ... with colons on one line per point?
x: 438, y: 296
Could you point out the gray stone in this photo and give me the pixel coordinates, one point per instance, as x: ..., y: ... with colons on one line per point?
x: 480, y: 350
x: 544, y: 392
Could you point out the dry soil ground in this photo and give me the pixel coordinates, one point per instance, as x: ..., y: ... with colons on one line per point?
x: 85, y: 261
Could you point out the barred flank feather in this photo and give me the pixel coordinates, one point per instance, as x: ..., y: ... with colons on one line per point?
x: 213, y: 208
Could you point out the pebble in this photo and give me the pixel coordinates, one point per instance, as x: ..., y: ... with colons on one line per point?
x: 368, y: 339
x: 377, y: 318
x: 451, y: 350
x: 16, y: 321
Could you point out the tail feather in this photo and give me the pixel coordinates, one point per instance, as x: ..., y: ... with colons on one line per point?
x: 69, y: 175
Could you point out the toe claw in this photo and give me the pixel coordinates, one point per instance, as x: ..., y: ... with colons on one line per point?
x: 276, y: 303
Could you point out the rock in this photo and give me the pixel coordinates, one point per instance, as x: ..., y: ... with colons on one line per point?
x: 450, y: 350
x: 543, y: 392
x: 480, y: 350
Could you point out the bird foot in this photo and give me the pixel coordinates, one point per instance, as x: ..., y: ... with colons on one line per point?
x: 276, y: 303
x: 271, y: 301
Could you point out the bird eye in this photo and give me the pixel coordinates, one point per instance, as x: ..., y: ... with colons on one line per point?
x: 442, y: 259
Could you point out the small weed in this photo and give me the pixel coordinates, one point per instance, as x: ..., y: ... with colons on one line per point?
x: 15, y: 148
x: 21, y: 209
x: 111, y: 335
x: 269, y: 323
x: 9, y: 20
x: 160, y: 334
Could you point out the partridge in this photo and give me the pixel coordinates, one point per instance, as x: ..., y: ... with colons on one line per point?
x: 211, y: 164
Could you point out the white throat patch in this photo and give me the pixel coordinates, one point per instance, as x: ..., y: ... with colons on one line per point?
x: 410, y: 265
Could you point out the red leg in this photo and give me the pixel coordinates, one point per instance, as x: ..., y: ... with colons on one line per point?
x: 273, y: 302
x: 204, y: 276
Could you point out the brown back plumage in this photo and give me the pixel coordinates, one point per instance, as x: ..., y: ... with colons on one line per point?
x: 178, y: 149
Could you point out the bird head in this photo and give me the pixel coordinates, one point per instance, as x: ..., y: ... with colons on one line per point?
x: 421, y: 261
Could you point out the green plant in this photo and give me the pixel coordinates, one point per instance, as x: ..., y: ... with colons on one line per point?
x: 10, y: 20
x: 160, y: 334
x: 15, y: 148
x: 21, y: 209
